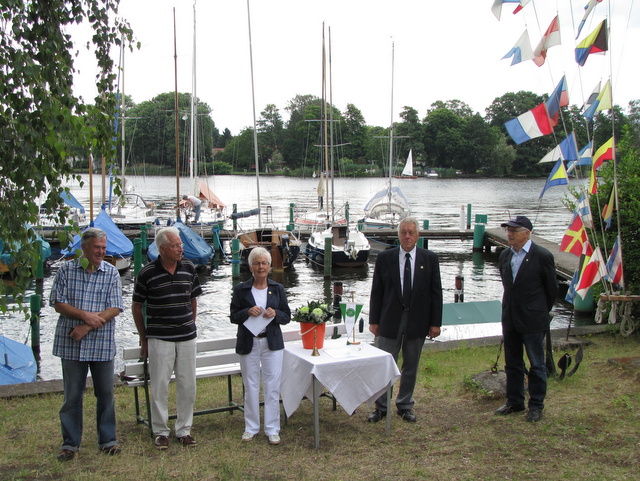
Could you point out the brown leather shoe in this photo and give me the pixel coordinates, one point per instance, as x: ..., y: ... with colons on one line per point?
x: 66, y: 455
x: 161, y: 442
x: 187, y: 441
x: 112, y: 450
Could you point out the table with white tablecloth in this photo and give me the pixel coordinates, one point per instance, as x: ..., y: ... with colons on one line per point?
x: 353, y: 374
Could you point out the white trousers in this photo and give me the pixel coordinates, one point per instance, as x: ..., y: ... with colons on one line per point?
x: 269, y: 363
x: 165, y: 358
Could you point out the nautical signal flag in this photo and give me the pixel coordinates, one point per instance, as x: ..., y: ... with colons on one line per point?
x: 559, y: 98
x: 531, y: 124
x: 603, y: 101
x: 593, y: 96
x: 595, y: 42
x: 607, y: 210
x: 558, y: 176
x: 614, y: 265
x: 575, y: 238
x: 584, y: 209
x: 584, y: 157
x: 604, y: 152
x: 521, y: 51
x: 565, y: 150
x: 551, y: 38
x: 588, y: 8
x: 592, y: 272
x: 496, y: 8
x: 571, y: 291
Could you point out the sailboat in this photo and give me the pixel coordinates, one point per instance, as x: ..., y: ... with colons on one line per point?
x: 283, y: 245
x: 213, y: 209
x: 407, y: 171
x: 389, y: 205
x: 196, y: 249
x: 349, y: 246
x: 130, y: 209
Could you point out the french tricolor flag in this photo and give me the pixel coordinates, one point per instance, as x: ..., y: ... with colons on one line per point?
x: 531, y: 124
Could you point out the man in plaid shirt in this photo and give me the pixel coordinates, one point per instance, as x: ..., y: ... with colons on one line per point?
x: 87, y: 294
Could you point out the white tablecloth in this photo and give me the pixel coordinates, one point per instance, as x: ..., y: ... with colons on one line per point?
x: 354, y: 374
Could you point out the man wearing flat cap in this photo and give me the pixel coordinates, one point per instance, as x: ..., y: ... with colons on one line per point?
x: 530, y: 288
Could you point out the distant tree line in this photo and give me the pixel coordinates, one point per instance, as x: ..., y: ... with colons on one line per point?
x: 450, y: 136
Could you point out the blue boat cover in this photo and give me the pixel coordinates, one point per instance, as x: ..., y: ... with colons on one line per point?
x: 196, y: 249
x: 17, y: 363
x: 117, y: 243
x: 71, y: 201
x: 5, y: 250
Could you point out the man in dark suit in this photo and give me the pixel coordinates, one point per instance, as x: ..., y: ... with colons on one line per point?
x: 530, y: 288
x: 405, y: 307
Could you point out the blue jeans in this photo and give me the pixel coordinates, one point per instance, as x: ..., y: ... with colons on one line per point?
x: 74, y: 375
x: 515, y: 344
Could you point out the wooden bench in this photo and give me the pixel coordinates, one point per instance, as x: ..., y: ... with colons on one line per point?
x: 215, y: 358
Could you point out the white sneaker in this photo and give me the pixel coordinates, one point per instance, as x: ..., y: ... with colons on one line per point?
x: 274, y: 439
x: 247, y: 436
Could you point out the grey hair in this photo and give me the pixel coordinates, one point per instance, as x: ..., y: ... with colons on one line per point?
x: 259, y: 251
x: 92, y: 233
x: 409, y: 220
x: 162, y: 236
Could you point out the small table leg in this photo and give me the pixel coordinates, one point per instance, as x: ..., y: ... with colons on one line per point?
x: 316, y: 413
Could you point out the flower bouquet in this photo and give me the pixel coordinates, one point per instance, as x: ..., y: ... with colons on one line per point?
x: 312, y: 319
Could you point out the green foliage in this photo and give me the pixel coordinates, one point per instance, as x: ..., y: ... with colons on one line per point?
x: 627, y: 174
x: 41, y: 123
x: 222, y: 168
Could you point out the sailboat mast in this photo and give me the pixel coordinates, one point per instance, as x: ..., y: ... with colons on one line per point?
x: 177, y: 113
x: 122, y: 117
x: 324, y: 119
x: 255, y: 131
x: 391, y: 125
x: 333, y: 211
x: 193, y: 163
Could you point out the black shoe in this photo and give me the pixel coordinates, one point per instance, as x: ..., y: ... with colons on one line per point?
x: 407, y: 414
x: 66, y: 455
x: 534, y: 415
x: 508, y: 409
x: 376, y: 416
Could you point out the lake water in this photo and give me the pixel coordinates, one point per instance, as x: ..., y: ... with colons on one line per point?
x: 436, y: 200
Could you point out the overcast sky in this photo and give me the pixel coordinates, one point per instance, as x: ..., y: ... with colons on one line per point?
x: 447, y: 49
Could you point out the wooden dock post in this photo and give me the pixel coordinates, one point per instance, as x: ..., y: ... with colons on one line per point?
x: 35, y: 303
x: 425, y: 226
x: 137, y: 256
x: 291, y: 225
x: 235, y: 255
x: 328, y: 254
x: 478, y: 232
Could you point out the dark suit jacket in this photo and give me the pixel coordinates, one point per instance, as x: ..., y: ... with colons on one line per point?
x: 243, y: 300
x: 527, y: 301
x: 385, y: 305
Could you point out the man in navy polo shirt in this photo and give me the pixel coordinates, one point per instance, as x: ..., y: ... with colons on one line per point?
x: 170, y: 288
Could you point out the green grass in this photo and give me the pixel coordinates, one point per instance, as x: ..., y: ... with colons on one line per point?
x: 590, y: 431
